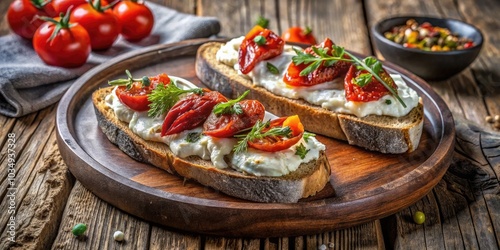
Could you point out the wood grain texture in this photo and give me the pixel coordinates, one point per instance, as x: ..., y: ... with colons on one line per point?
x: 473, y: 183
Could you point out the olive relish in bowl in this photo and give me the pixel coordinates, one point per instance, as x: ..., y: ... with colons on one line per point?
x: 428, y: 37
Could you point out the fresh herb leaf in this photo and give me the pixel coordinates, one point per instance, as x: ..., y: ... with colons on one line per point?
x: 230, y: 107
x: 193, y: 137
x: 130, y: 81
x: 163, y: 98
x: 256, y: 134
x: 307, y: 135
x: 363, y: 79
x: 260, y: 40
x: 370, y: 64
x: 388, y: 101
x: 301, y: 151
x: 272, y: 69
x: 262, y: 22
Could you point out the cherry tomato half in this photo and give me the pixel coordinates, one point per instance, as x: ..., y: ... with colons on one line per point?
x: 370, y: 92
x: 22, y: 16
x: 70, y: 47
x: 252, y: 52
x: 299, y: 35
x: 190, y: 112
x: 322, y: 74
x: 62, y: 6
x: 103, y: 26
x: 136, y: 97
x: 227, y: 125
x: 136, y: 18
x: 277, y: 143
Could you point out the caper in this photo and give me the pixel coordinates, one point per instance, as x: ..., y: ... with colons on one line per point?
x: 79, y: 229
x: 419, y: 217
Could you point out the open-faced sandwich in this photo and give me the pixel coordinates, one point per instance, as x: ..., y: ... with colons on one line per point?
x: 339, y: 95
x: 233, y: 146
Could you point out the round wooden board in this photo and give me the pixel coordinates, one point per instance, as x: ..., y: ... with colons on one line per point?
x: 363, y: 186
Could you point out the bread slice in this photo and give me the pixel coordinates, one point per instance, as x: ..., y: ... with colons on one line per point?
x: 306, y: 181
x: 374, y: 132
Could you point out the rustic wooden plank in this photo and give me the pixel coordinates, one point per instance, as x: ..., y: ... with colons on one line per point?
x: 102, y: 221
x: 214, y: 243
x: 34, y: 134
x: 239, y: 16
x: 162, y: 238
x: 186, y: 6
x: 346, y: 27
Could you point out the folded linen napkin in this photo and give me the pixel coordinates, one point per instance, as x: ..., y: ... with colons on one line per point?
x: 28, y: 85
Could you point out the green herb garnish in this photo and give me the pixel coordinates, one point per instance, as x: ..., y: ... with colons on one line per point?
x: 129, y: 82
x: 370, y: 64
x: 307, y: 135
x: 193, y: 137
x: 301, y: 151
x: 230, y: 107
x: 262, y: 22
x: 388, y: 101
x: 260, y: 40
x: 256, y: 134
x: 163, y: 98
x: 272, y: 69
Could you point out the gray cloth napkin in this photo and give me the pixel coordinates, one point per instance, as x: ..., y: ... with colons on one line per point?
x: 28, y: 85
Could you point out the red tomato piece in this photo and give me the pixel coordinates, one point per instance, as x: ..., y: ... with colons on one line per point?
x: 277, y: 143
x: 227, y: 125
x: 22, y: 16
x: 370, y: 92
x: 322, y: 74
x: 62, y: 6
x: 299, y: 35
x: 136, y: 97
x: 250, y: 52
x: 190, y: 112
x: 70, y: 47
x: 136, y: 18
x: 103, y: 26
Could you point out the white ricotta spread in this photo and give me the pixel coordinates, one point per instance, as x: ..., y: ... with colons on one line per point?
x: 254, y: 162
x: 328, y: 95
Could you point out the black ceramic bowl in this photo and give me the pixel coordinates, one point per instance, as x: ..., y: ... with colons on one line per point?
x: 430, y: 65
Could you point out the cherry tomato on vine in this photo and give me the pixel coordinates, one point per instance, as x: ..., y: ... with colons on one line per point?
x: 299, y: 35
x: 136, y: 97
x: 190, y: 112
x: 61, y: 43
x: 103, y: 26
x: 22, y: 16
x: 259, y: 44
x: 277, y: 143
x: 63, y: 5
x: 136, y: 18
x: 227, y: 125
x: 373, y: 91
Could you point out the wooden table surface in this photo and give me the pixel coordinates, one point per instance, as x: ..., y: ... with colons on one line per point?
x: 462, y: 211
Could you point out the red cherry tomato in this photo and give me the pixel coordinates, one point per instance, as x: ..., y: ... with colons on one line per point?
x: 103, y: 26
x: 62, y: 6
x: 322, y: 74
x: 227, y: 125
x: 136, y: 97
x: 250, y: 52
x: 370, y: 92
x: 136, y: 18
x: 22, y: 16
x: 277, y: 143
x: 299, y: 35
x: 190, y: 112
x: 69, y: 47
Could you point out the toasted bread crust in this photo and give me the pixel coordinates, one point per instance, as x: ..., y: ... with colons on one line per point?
x: 392, y: 135
x: 309, y: 179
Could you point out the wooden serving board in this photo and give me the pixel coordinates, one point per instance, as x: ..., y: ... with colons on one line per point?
x: 363, y: 186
